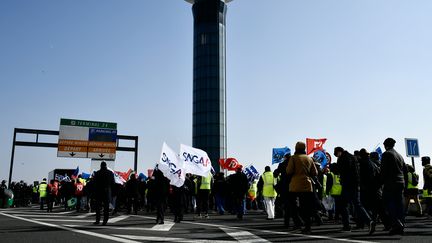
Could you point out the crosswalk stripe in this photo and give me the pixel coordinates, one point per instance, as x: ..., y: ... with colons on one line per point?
x: 118, y: 218
x: 169, y: 239
x: 118, y: 228
x: 85, y: 215
x: 63, y: 220
x: 242, y: 236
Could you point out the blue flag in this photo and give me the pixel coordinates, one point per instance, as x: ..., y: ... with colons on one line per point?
x: 379, y: 151
x: 142, y: 177
x: 321, y: 158
x: 278, y: 154
x: 85, y: 175
x: 251, y: 173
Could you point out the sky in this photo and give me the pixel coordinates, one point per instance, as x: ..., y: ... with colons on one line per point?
x: 354, y: 72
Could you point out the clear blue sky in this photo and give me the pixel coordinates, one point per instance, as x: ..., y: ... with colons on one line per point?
x: 354, y: 72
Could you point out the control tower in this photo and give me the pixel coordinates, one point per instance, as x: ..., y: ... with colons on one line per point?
x: 209, y: 78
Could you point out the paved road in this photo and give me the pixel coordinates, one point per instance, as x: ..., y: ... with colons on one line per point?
x: 32, y: 225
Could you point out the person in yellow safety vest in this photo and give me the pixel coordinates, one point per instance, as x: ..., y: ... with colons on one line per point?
x: 334, y: 189
x: 411, y: 190
x: 427, y: 187
x: 35, y: 194
x: 266, y: 185
x: 43, y: 193
x: 204, y: 185
x: 252, y: 194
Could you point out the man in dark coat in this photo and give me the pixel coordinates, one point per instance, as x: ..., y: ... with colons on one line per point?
x: 350, y: 181
x: 132, y: 194
x: 103, y: 183
x: 239, y: 185
x: 392, y: 175
x: 161, y: 191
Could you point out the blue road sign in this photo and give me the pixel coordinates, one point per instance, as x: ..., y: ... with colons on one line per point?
x: 412, y: 148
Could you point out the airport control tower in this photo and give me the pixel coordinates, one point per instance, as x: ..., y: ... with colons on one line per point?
x: 209, y: 83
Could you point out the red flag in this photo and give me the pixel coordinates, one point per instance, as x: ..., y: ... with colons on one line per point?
x: 314, y: 145
x: 124, y: 175
x: 229, y: 164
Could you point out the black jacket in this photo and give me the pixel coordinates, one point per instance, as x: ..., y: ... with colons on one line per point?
x: 349, y: 171
x: 103, y: 183
x: 392, y: 168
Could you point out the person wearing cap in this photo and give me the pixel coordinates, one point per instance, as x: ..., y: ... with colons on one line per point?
x: 43, y: 193
x: 350, y: 181
x: 427, y: 187
x: 393, y: 170
x: 301, y: 168
x: 103, y: 183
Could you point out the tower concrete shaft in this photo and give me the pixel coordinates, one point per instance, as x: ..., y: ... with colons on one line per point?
x: 209, y: 79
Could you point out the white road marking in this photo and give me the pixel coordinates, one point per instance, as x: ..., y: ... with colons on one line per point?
x: 169, y: 239
x: 64, y: 220
x: 118, y: 218
x: 278, y: 232
x: 103, y: 236
x: 163, y: 227
x: 119, y: 228
x: 85, y: 215
x: 242, y: 236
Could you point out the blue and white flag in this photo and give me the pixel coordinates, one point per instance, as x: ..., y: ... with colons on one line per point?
x: 379, y: 151
x: 172, y: 166
x: 195, y: 161
x: 278, y: 154
x: 251, y: 173
x: 321, y: 158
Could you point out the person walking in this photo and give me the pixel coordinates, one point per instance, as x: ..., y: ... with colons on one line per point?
x: 266, y: 185
x: 301, y: 168
x: 427, y: 187
x: 3, y: 198
x: 350, y: 181
x: 51, y: 195
x: 103, y: 183
x: 79, y: 192
x: 411, y: 190
x: 239, y: 186
x: 132, y: 194
x: 219, y: 192
x: 43, y: 193
x: 392, y: 175
x: 161, y: 191
x: 204, y: 186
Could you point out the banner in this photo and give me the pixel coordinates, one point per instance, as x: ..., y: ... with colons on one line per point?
x: 251, y: 173
x: 278, y: 154
x: 75, y: 173
x: 171, y: 166
x: 314, y: 145
x: 321, y: 157
x: 124, y: 175
x: 230, y: 164
x: 117, y: 178
x: 195, y: 161
x: 85, y: 175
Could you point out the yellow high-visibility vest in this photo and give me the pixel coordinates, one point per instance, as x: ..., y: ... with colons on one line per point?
x: 410, y: 179
x: 336, y: 189
x: 324, y: 186
x: 205, y: 182
x: 42, y: 190
x: 253, y: 191
x: 269, y: 182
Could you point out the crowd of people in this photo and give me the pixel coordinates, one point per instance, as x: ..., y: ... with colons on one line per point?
x: 364, y: 187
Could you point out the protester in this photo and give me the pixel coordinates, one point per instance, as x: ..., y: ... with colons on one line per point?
x: 334, y: 189
x: 266, y: 185
x: 79, y: 192
x: 219, y: 192
x: 51, y: 195
x: 3, y: 198
x: 282, y: 188
x: 350, y: 180
x: 411, y: 190
x: 132, y: 194
x: 103, y: 183
x: 392, y: 175
x: 43, y: 193
x: 427, y: 187
x: 302, y: 168
x: 239, y: 186
x: 161, y: 190
x: 204, y: 185
x: 178, y: 202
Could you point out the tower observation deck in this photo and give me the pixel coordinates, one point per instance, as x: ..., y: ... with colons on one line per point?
x: 209, y: 82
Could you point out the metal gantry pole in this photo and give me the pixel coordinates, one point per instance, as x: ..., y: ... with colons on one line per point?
x: 12, y: 158
x: 136, y: 155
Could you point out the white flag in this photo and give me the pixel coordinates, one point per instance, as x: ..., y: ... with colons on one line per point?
x: 171, y: 166
x: 196, y: 161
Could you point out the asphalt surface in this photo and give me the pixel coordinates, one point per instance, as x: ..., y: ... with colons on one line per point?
x: 33, y: 225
